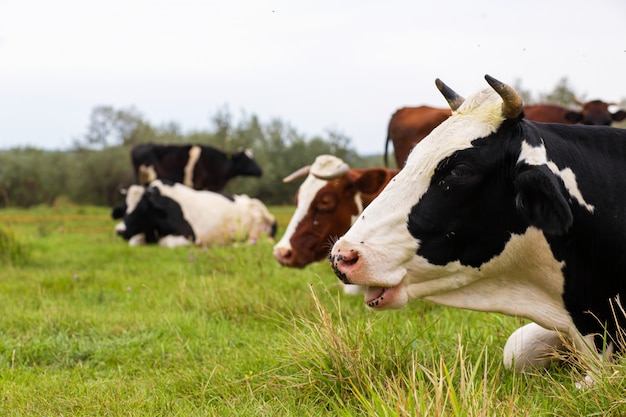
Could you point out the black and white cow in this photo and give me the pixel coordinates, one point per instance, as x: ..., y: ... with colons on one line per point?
x: 176, y: 215
x: 496, y: 213
x: 199, y: 167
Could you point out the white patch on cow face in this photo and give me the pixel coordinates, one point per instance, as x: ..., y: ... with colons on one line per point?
x: 194, y: 155
x: 536, y: 155
x: 533, y: 155
x: 569, y: 179
x: 380, y: 234
x: 306, y: 193
x: 133, y: 196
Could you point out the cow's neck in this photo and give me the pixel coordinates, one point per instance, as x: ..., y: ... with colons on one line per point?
x: 516, y: 282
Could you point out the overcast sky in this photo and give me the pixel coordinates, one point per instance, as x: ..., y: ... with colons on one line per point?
x: 315, y: 64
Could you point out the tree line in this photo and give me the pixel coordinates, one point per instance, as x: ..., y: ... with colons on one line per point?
x: 98, y: 165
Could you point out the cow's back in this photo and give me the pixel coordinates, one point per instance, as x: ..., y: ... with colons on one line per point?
x: 409, y: 125
x: 204, y: 210
x: 216, y: 218
x: 168, y: 161
x: 548, y: 113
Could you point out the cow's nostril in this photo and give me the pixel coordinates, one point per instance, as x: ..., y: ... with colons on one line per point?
x: 351, y: 258
x: 343, y: 263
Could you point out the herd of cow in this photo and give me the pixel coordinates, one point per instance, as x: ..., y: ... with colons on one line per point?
x: 497, y: 207
x: 178, y: 201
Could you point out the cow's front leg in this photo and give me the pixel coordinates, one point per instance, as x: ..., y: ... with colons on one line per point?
x: 532, y: 347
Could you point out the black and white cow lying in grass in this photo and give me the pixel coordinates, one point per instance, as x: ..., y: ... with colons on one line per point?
x: 176, y: 215
x: 496, y: 213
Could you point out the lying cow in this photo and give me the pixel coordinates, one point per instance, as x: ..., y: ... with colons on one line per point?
x: 496, y: 213
x: 175, y: 215
x: 328, y: 202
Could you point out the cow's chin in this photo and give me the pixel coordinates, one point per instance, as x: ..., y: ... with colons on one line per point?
x: 381, y: 298
x: 385, y: 288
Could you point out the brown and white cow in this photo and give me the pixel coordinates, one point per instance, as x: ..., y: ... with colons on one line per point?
x: 496, y: 213
x: 328, y: 202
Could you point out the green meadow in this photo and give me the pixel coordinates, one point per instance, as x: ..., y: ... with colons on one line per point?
x: 93, y: 327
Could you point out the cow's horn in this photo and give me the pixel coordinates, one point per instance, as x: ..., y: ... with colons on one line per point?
x: 511, y: 101
x: 302, y: 172
x: 328, y: 167
x: 454, y: 100
x: 579, y: 102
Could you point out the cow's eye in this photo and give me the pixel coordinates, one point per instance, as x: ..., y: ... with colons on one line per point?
x: 326, y: 202
x: 461, y: 170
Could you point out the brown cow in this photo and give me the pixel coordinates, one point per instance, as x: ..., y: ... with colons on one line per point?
x: 596, y: 112
x: 409, y: 125
x: 329, y: 200
x: 551, y: 113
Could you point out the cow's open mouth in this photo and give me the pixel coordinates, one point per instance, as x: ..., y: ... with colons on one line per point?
x: 375, y: 296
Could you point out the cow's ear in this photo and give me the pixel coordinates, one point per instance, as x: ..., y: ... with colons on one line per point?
x: 573, y: 116
x: 618, y: 116
x: 369, y: 182
x: 540, y: 200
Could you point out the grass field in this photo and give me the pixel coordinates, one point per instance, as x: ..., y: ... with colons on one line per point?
x: 93, y: 327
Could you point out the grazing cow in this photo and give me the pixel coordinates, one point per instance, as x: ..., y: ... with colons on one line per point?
x: 551, y: 113
x: 496, y: 213
x: 596, y: 112
x: 199, y: 167
x: 409, y: 125
x: 175, y: 215
x: 328, y: 201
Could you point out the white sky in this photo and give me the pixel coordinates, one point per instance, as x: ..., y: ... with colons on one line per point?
x: 315, y: 64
